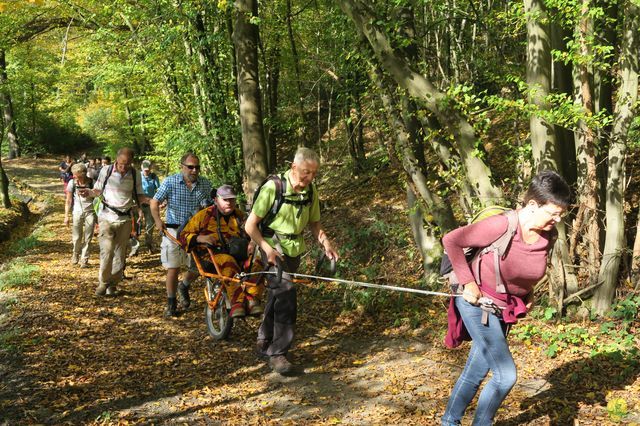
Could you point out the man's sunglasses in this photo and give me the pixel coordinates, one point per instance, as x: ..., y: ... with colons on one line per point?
x: 190, y: 167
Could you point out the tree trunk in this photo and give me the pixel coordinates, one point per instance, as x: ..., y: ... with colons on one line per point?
x: 545, y: 148
x: 627, y: 97
x: 428, y: 245
x: 586, y: 224
x: 4, y: 180
x: 254, y: 150
x: 440, y: 210
x: 296, y: 66
x: 543, y: 141
x: 7, y: 110
x: 476, y: 171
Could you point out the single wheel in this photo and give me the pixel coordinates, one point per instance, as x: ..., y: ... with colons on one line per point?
x: 219, y: 323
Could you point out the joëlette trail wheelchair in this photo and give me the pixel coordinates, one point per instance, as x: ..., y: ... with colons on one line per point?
x: 218, y: 303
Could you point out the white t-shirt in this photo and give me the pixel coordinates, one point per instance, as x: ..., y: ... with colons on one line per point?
x: 80, y: 204
x: 118, y: 192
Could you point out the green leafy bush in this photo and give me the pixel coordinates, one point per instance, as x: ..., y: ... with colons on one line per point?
x: 19, y: 273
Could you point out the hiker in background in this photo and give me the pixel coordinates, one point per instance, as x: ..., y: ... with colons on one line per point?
x: 281, y: 236
x: 150, y: 185
x: 92, y: 168
x: 524, y: 264
x: 65, y: 171
x: 120, y: 188
x: 81, y: 204
x: 220, y: 225
x: 185, y: 193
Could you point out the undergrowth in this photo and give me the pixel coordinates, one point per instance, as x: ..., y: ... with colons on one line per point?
x: 18, y: 273
x: 616, y: 333
x: 29, y: 242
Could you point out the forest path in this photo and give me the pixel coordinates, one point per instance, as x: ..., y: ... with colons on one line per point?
x: 70, y: 357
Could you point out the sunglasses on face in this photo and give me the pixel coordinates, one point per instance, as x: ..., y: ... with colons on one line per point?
x: 192, y: 167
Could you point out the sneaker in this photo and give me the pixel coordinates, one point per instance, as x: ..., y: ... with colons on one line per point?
x: 280, y: 364
x: 101, y: 290
x: 74, y: 259
x: 111, y: 290
x: 172, y: 308
x: 84, y: 263
x: 237, y: 310
x: 183, y: 294
x: 254, y: 307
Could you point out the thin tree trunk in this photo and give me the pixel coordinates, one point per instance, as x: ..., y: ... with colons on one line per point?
x: 296, y: 67
x: 4, y: 180
x: 586, y: 223
x: 476, y: 171
x: 627, y: 97
x: 7, y: 109
x: 440, y: 210
x: 254, y: 150
x: 543, y: 141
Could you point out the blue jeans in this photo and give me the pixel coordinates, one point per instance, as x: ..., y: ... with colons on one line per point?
x: 489, y: 351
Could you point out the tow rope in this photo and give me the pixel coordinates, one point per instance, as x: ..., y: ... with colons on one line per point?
x: 356, y: 283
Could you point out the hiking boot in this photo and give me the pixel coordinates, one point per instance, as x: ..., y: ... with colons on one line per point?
x: 261, y: 349
x: 74, y: 259
x: 254, y: 307
x: 101, y: 290
x: 183, y: 294
x: 237, y: 310
x: 172, y: 308
x: 280, y: 364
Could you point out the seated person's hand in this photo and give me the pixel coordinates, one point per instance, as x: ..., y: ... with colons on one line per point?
x: 206, y: 239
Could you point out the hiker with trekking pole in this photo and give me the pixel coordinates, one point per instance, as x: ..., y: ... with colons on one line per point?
x: 509, y: 256
x: 282, y: 208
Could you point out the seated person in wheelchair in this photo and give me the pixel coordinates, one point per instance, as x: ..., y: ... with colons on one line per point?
x: 221, y: 225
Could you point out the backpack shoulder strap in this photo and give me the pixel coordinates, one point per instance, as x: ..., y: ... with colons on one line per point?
x: 499, y: 248
x: 501, y: 245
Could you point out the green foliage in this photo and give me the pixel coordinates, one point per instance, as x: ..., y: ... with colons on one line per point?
x: 626, y: 309
x: 32, y: 241
x: 19, y: 273
x: 9, y: 340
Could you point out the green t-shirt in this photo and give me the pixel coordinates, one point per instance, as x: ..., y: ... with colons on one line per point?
x: 287, y: 220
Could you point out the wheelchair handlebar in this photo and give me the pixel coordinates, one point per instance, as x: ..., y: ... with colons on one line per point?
x: 332, y: 266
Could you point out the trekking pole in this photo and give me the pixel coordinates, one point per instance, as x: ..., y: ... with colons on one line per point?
x: 358, y: 284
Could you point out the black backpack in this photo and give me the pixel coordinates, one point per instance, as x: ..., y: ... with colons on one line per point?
x: 280, y: 199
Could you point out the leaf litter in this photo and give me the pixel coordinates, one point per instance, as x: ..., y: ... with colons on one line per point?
x: 76, y: 358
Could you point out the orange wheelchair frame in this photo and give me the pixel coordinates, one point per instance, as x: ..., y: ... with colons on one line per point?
x: 218, y: 304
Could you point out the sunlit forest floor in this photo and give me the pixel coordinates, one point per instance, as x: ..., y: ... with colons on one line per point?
x: 368, y: 358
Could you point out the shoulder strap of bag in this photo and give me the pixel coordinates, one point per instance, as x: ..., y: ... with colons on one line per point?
x: 499, y: 248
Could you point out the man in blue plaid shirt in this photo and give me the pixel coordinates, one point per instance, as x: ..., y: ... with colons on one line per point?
x: 185, y: 193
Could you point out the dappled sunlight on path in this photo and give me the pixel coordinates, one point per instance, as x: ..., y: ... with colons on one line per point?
x: 70, y: 357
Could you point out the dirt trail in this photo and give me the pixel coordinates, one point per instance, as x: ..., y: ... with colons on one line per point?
x: 76, y: 358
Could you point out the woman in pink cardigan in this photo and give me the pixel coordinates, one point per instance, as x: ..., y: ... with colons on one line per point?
x: 523, y: 265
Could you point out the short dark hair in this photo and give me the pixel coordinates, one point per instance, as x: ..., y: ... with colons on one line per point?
x: 187, y: 155
x: 107, y: 158
x: 549, y: 187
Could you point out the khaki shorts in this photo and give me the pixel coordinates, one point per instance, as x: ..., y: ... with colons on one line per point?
x: 173, y: 256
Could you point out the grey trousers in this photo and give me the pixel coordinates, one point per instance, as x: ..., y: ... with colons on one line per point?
x: 113, y: 239
x: 149, y: 226
x: 279, y: 321
x: 82, y: 233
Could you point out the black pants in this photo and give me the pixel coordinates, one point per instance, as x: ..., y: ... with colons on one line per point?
x: 278, y: 323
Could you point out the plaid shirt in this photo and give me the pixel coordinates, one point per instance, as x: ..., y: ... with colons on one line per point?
x: 182, y: 203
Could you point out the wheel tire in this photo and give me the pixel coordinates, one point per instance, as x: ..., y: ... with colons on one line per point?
x: 219, y: 323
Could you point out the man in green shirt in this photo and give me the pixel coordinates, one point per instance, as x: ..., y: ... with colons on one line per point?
x: 282, y: 238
